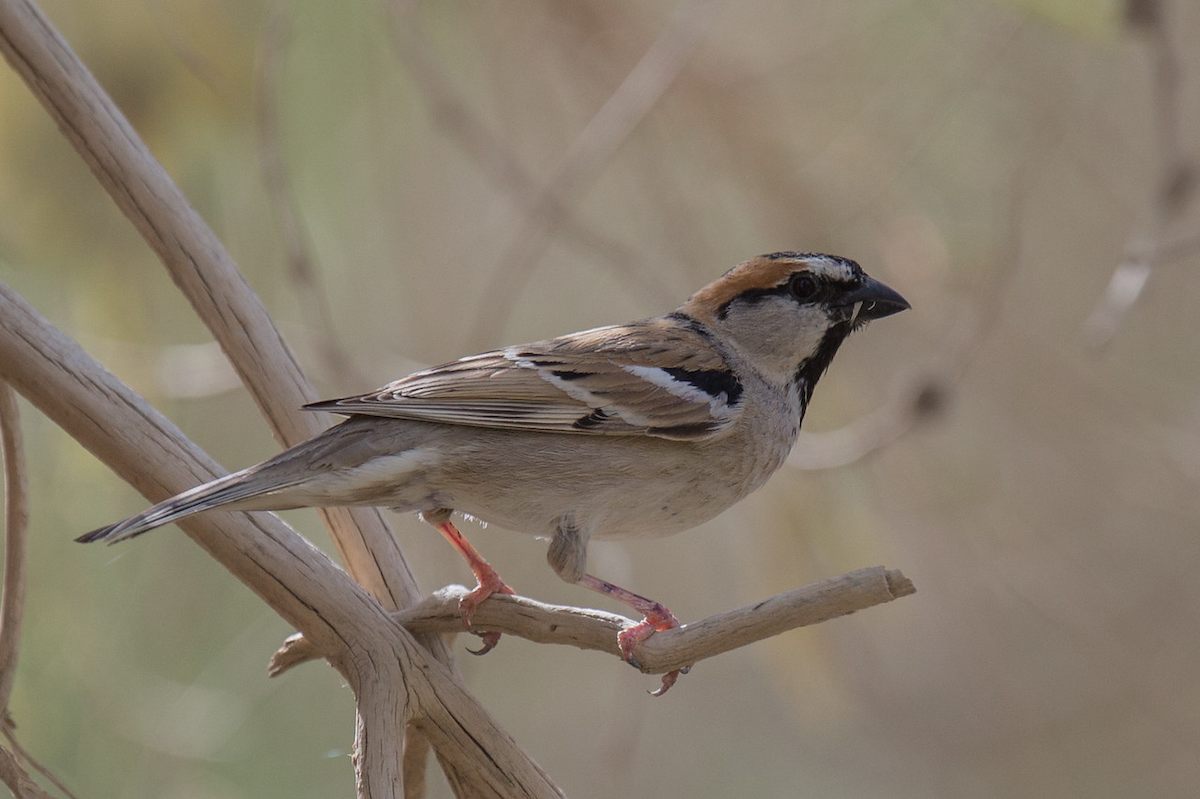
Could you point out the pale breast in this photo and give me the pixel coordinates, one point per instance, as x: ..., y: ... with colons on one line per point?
x: 612, y: 487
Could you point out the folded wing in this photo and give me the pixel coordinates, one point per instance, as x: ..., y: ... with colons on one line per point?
x: 661, y: 377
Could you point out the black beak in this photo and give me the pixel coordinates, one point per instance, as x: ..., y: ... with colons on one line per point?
x: 877, y: 301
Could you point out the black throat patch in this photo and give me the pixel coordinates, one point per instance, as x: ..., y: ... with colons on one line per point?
x: 811, y: 369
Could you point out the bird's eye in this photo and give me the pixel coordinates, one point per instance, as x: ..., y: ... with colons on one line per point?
x: 804, y: 287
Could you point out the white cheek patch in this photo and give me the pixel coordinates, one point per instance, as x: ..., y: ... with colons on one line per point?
x: 809, y: 334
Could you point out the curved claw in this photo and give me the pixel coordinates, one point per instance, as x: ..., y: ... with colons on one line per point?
x: 468, y: 604
x: 490, y: 639
x: 668, y: 680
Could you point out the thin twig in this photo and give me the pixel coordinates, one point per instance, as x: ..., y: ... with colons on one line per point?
x: 12, y: 605
x: 16, y: 523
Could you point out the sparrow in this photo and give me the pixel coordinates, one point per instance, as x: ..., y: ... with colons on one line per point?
x: 642, y: 429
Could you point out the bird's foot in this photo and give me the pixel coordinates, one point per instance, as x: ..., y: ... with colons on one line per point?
x: 489, y: 583
x: 657, y: 618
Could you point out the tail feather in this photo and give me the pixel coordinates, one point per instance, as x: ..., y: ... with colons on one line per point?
x: 222, y: 491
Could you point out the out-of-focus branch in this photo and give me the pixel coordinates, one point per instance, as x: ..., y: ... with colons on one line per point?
x: 1174, y: 186
x: 12, y: 605
x: 585, y: 159
x: 662, y: 652
x: 496, y: 160
x: 871, y: 432
x: 272, y: 49
x: 17, y: 779
x: 925, y: 398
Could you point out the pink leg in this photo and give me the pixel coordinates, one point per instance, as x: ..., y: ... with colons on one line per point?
x: 488, y: 583
x: 657, y: 617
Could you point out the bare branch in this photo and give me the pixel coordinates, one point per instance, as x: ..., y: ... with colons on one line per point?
x: 12, y: 606
x: 662, y: 652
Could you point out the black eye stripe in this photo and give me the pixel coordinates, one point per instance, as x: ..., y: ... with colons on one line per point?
x: 784, y: 289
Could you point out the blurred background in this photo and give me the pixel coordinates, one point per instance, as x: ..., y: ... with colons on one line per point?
x: 405, y: 183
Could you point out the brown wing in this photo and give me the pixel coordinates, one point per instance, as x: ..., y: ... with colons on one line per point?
x: 661, y: 377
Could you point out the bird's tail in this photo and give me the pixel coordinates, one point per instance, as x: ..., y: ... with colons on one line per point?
x: 223, y: 491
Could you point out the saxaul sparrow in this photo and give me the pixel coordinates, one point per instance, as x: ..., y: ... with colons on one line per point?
x: 642, y: 429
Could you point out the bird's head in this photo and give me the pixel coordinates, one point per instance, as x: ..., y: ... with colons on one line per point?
x: 788, y: 312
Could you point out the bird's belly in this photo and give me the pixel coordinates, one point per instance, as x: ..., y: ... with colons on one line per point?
x: 635, y: 488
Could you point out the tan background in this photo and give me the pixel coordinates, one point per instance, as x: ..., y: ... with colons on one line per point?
x: 995, y: 162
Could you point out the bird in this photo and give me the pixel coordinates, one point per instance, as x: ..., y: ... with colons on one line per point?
x: 642, y: 429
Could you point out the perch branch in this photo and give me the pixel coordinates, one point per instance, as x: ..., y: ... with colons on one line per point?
x: 662, y: 652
